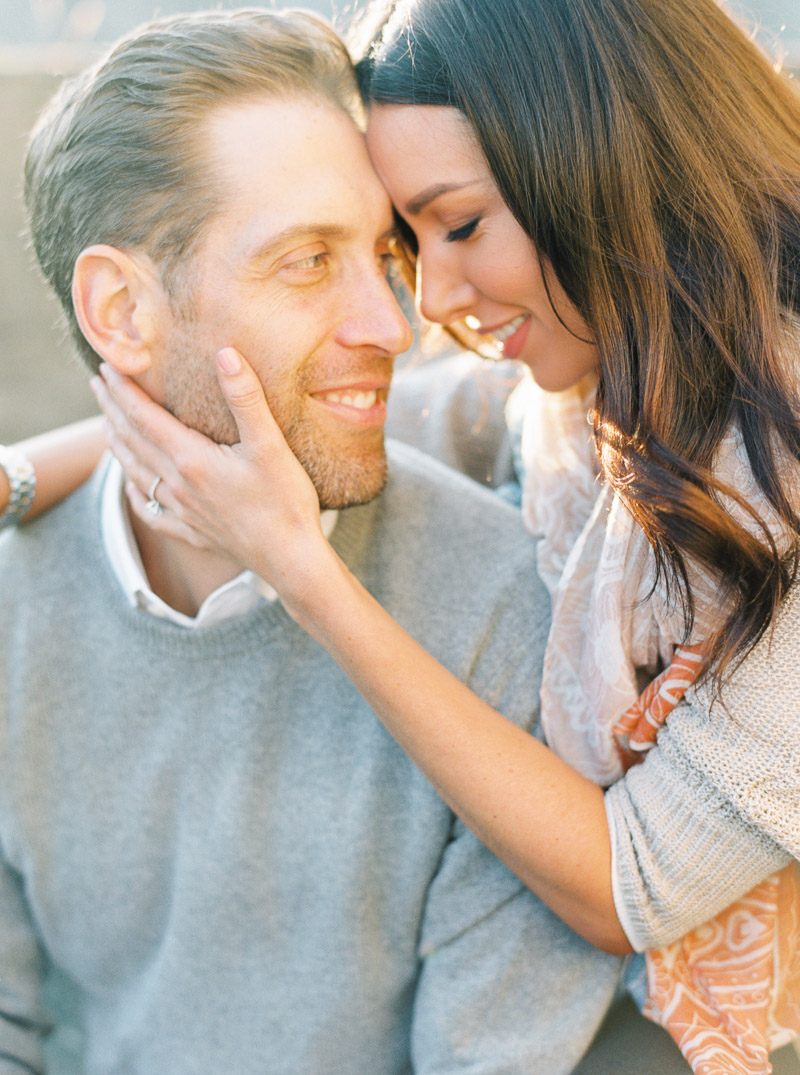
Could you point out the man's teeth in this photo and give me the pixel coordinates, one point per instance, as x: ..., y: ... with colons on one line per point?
x: 362, y: 401
x: 502, y: 334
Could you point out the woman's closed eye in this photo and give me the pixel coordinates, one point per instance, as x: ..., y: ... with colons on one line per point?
x: 459, y: 235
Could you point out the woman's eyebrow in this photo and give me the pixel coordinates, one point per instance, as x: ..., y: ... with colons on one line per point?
x: 431, y: 193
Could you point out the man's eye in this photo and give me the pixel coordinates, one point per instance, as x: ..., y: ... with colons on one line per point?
x: 313, y: 261
x: 459, y: 235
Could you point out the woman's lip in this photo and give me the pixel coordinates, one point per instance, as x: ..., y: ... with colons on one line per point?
x: 514, y: 345
x: 500, y: 332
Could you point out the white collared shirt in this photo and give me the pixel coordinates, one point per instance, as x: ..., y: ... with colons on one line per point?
x: 234, y: 598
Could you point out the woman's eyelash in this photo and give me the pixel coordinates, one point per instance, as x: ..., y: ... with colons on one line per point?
x: 458, y: 235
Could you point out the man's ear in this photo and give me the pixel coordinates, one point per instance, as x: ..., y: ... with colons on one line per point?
x: 120, y: 305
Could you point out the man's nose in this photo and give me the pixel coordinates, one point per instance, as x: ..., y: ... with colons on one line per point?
x: 444, y: 295
x: 376, y: 319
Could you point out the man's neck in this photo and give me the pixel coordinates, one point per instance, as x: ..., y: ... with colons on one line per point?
x: 181, y: 575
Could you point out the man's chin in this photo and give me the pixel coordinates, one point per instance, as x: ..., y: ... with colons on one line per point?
x: 345, y: 484
x: 351, y: 499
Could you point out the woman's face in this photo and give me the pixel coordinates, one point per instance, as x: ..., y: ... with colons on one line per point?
x: 476, y: 265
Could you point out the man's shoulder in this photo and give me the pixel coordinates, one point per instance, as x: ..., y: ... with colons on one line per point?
x: 414, y: 473
x: 453, y: 563
x: 434, y: 530
x: 49, y: 544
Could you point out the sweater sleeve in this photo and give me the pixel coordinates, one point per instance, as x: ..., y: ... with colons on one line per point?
x: 715, y: 808
x: 505, y: 985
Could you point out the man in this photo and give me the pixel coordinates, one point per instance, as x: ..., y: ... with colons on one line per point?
x: 205, y: 832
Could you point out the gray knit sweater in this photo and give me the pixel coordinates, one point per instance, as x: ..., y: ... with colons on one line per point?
x: 212, y: 839
x: 715, y: 808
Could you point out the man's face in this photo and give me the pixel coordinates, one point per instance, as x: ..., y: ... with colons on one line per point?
x: 291, y: 272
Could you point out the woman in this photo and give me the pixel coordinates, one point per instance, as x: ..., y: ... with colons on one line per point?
x: 611, y: 194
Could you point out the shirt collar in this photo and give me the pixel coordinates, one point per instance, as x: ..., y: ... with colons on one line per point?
x: 234, y: 598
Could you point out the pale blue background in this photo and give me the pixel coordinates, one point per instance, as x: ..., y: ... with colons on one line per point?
x: 23, y: 22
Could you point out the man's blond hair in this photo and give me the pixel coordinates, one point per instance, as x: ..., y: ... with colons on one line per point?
x: 116, y: 157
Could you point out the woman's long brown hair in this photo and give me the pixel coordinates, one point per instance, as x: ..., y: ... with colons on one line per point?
x: 652, y: 154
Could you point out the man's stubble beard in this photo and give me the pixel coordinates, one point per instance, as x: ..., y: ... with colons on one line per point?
x: 340, y: 481
x: 192, y: 394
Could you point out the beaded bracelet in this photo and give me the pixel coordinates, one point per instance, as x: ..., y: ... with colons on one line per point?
x: 22, y: 479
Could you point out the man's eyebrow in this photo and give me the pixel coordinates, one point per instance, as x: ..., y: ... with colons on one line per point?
x: 431, y: 193
x: 296, y: 233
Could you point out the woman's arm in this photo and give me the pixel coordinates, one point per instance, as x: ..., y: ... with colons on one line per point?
x: 548, y: 823
x: 541, y: 817
x: 62, y: 459
x: 536, y: 813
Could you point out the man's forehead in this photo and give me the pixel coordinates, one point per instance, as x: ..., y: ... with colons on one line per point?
x: 293, y: 171
x: 288, y: 168
x: 277, y: 132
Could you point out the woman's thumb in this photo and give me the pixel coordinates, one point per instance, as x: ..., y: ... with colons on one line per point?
x: 245, y: 397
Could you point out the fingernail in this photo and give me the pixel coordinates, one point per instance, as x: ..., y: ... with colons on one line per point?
x: 94, y: 384
x: 229, y: 361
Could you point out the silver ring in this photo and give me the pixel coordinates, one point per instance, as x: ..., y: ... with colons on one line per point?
x: 152, y: 504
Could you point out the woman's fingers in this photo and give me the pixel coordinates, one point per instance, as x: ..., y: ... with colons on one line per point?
x: 137, y: 473
x: 252, y: 501
x: 247, y: 403
x: 150, y: 442
x: 143, y: 424
x: 142, y: 461
x: 125, y: 408
x: 170, y: 522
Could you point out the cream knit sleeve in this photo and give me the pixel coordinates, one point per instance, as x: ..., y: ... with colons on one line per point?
x: 715, y: 808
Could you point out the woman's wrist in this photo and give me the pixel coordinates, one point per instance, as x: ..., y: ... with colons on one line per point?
x: 314, y: 586
x: 17, y: 486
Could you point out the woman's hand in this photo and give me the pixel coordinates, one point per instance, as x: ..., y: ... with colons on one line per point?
x: 251, y: 501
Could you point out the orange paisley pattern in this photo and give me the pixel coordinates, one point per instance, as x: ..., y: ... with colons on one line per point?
x: 640, y: 723
x: 729, y: 991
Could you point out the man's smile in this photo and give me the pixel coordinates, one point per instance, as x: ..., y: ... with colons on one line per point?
x: 364, y: 403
